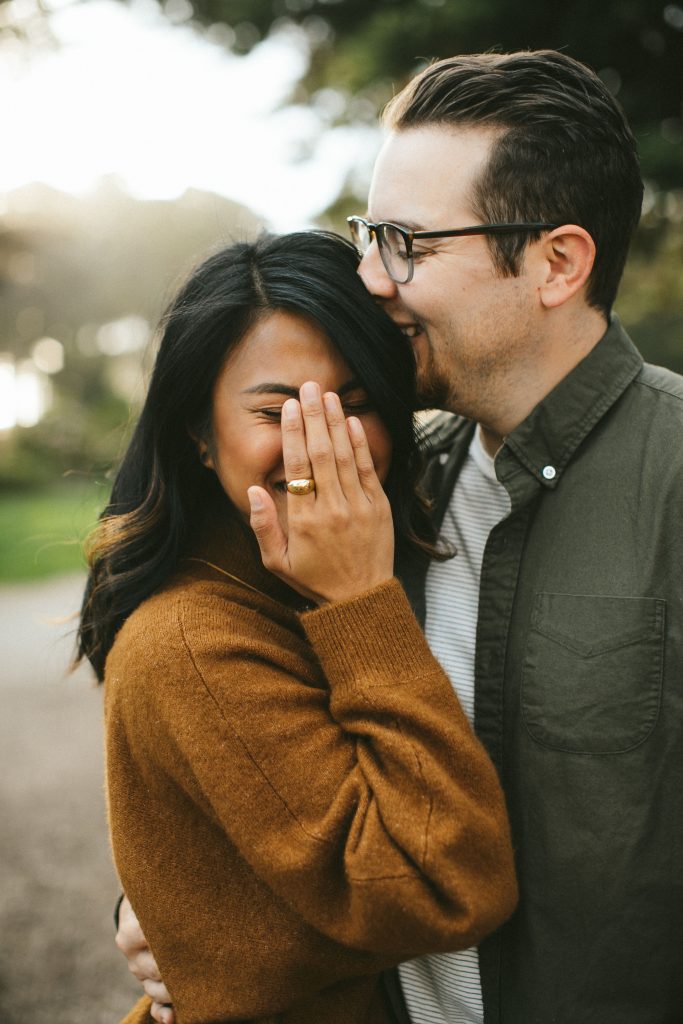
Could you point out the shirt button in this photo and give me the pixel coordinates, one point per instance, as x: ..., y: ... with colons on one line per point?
x: 549, y: 472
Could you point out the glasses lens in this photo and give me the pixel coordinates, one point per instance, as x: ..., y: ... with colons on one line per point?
x: 360, y: 233
x: 392, y: 247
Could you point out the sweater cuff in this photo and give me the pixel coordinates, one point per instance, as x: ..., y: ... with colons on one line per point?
x: 373, y: 638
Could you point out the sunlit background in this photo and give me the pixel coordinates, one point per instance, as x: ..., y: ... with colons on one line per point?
x: 134, y: 92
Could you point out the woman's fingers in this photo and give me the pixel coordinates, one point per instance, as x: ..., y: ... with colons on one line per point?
x: 267, y: 528
x: 333, y: 463
x: 344, y: 456
x: 294, y: 450
x: 365, y: 467
x: 318, y: 444
x: 340, y: 539
x: 318, y: 441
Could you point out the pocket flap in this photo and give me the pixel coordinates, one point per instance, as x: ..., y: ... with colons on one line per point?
x: 589, y: 626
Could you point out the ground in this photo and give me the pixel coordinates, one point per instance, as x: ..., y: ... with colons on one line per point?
x: 58, y: 962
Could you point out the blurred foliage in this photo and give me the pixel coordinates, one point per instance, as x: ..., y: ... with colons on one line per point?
x: 367, y: 49
x: 650, y: 299
x: 95, y: 274
x: 66, y: 262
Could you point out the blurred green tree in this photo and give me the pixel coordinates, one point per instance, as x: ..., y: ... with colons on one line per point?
x: 368, y: 48
x: 91, y: 276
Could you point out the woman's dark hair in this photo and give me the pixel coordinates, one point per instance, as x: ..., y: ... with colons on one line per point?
x: 161, y: 487
x: 562, y: 153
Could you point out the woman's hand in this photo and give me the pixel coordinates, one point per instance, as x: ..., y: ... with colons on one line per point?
x: 340, y: 537
x: 131, y: 941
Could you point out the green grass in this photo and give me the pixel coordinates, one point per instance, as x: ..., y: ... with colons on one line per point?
x: 42, y: 532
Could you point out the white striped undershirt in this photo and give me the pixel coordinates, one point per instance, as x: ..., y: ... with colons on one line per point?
x: 445, y: 988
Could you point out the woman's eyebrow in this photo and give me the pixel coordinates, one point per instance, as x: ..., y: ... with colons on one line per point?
x: 271, y: 388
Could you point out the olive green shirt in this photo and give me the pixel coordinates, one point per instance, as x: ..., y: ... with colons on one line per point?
x: 579, y: 692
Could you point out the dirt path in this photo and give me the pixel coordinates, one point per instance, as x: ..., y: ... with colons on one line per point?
x: 58, y: 964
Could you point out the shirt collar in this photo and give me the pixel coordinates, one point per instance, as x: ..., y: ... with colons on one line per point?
x: 546, y: 440
x: 484, y: 462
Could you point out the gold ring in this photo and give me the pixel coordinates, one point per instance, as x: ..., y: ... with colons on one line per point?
x: 301, y: 486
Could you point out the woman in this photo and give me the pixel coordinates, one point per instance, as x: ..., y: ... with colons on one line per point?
x: 296, y: 800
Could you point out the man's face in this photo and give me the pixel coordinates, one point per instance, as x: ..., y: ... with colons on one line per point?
x: 474, y: 331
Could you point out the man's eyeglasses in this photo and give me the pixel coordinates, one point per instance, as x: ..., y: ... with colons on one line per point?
x: 396, y: 243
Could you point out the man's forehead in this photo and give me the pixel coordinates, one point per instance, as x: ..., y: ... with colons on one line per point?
x: 427, y: 173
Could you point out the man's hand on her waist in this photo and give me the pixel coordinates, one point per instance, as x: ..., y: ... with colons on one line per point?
x: 141, y: 963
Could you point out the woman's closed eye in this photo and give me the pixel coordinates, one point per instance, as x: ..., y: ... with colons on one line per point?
x: 351, y: 406
x: 355, y: 401
x: 357, y: 408
x: 273, y: 413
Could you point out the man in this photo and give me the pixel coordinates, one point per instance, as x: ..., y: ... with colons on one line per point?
x: 565, y: 506
x: 560, y: 620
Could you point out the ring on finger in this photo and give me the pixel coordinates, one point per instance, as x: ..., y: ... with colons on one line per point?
x: 303, y: 486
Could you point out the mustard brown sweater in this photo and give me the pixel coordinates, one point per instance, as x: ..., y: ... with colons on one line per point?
x: 296, y: 800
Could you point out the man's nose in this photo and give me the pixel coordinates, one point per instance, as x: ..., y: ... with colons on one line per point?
x: 374, y: 275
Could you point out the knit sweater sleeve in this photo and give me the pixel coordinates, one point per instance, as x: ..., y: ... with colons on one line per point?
x: 363, y: 800
x: 427, y: 851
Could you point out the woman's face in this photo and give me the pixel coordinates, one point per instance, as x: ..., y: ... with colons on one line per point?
x: 268, y: 366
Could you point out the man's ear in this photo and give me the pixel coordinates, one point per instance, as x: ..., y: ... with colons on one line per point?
x: 568, y: 253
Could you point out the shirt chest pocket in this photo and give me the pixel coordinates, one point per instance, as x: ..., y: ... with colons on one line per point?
x: 592, y: 674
